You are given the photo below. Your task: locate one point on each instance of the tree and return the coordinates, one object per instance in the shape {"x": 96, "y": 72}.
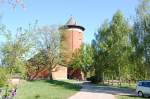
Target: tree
{"x": 65, "y": 56}
{"x": 48, "y": 42}
{"x": 82, "y": 59}
{"x": 36, "y": 65}
{"x": 121, "y": 47}
{"x": 141, "y": 40}
{"x": 14, "y": 50}
{"x": 3, "y": 77}
{"x": 99, "y": 51}
{"x": 111, "y": 47}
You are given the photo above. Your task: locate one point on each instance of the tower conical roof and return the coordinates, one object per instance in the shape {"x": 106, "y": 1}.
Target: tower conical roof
{"x": 71, "y": 21}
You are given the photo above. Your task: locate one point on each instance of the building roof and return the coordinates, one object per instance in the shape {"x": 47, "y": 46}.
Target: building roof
{"x": 71, "y": 23}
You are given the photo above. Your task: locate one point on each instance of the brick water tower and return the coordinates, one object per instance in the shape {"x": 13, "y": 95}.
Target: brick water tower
{"x": 73, "y": 42}
{"x": 74, "y": 35}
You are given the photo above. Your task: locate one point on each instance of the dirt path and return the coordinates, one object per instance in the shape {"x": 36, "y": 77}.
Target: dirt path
{"x": 90, "y": 91}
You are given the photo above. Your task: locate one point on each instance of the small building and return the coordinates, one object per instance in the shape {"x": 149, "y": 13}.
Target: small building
{"x": 59, "y": 73}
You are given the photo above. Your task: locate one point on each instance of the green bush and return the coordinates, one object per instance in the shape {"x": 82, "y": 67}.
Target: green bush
{"x": 92, "y": 79}
{"x": 3, "y": 77}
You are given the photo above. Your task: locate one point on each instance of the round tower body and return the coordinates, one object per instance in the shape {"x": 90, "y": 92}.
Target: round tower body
{"x": 72, "y": 42}
{"x": 74, "y": 35}
{"x": 74, "y": 39}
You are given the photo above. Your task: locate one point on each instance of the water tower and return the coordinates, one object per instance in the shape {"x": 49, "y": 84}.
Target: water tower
{"x": 74, "y": 35}
{"x": 73, "y": 42}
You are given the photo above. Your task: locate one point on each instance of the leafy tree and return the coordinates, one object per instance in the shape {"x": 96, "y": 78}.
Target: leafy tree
{"x": 14, "y": 50}
{"x": 48, "y": 41}
{"x": 99, "y": 53}
{"x": 3, "y": 77}
{"x": 141, "y": 40}
{"x": 65, "y": 56}
{"x": 82, "y": 59}
{"x": 111, "y": 48}
{"x": 121, "y": 47}
{"x": 36, "y": 64}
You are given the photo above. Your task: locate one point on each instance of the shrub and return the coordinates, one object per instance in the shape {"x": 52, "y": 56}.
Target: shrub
{"x": 3, "y": 77}
{"x": 92, "y": 79}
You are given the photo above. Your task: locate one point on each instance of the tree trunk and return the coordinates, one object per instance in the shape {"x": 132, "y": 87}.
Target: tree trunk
{"x": 103, "y": 79}
{"x": 99, "y": 76}
{"x": 84, "y": 75}
{"x": 112, "y": 80}
{"x": 50, "y": 75}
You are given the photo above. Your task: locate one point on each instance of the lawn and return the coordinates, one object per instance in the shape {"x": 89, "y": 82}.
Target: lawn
{"x": 126, "y": 86}
{"x": 44, "y": 89}
{"x": 123, "y": 85}
{"x": 130, "y": 97}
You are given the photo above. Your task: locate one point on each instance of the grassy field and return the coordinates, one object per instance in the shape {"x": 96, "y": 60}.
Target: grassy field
{"x": 123, "y": 85}
{"x": 132, "y": 87}
{"x": 43, "y": 89}
{"x": 127, "y": 86}
{"x": 130, "y": 97}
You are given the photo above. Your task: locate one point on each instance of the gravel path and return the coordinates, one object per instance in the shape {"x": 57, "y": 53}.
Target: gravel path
{"x": 90, "y": 91}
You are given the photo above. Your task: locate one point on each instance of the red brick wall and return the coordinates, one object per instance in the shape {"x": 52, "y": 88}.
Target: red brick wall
{"x": 58, "y": 73}
{"x": 74, "y": 39}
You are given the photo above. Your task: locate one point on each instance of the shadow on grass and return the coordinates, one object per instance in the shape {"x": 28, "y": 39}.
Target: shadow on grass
{"x": 64, "y": 84}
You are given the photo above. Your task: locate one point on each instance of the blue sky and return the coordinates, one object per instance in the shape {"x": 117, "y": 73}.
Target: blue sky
{"x": 88, "y": 13}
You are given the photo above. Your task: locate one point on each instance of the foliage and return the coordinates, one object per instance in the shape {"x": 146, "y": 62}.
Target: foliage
{"x": 93, "y": 79}
{"x": 48, "y": 47}
{"x": 120, "y": 51}
{"x": 65, "y": 55}
{"x": 82, "y": 59}
{"x": 36, "y": 64}
{"x": 3, "y": 77}
{"x": 14, "y": 50}
{"x": 111, "y": 48}
{"x": 141, "y": 41}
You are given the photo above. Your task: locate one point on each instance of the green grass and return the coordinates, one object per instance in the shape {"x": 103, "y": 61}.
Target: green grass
{"x": 130, "y": 97}
{"x": 126, "y": 86}
{"x": 44, "y": 89}
{"x": 123, "y": 85}
{"x": 131, "y": 87}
